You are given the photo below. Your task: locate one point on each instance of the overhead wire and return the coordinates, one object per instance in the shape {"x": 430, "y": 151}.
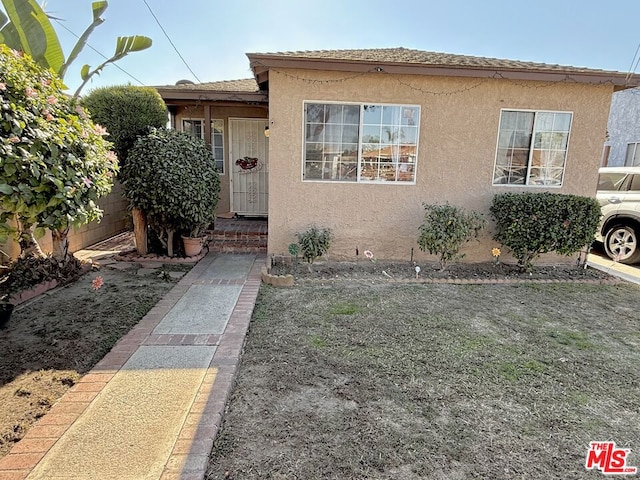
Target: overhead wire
{"x": 170, "y": 41}
{"x": 634, "y": 66}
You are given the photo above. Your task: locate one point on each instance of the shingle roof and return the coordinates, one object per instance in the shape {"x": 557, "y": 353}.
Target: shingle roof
{"x": 402, "y": 55}
{"x": 243, "y": 85}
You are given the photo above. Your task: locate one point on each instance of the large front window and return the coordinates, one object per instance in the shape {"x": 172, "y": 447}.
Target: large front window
{"x": 360, "y": 142}
{"x": 532, "y": 148}
{"x": 195, "y": 128}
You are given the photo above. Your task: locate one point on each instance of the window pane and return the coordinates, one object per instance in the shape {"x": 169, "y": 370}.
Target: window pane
{"x": 409, "y": 135}
{"x": 391, "y": 115}
{"x": 562, "y": 122}
{"x": 372, "y": 114}
{"x": 351, "y": 114}
{"x": 371, "y": 134}
{"x": 410, "y": 115}
{"x": 315, "y": 132}
{"x": 333, "y": 114}
{"x": 315, "y": 113}
{"x": 350, "y": 134}
{"x": 525, "y": 121}
{"x": 544, "y": 122}
{"x": 313, "y": 170}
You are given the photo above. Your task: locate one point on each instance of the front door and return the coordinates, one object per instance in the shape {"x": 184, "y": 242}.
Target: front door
{"x": 249, "y": 166}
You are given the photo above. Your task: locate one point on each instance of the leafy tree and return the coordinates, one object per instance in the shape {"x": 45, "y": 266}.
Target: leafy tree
{"x": 54, "y": 161}
{"x": 127, "y": 112}
{"x": 171, "y": 177}
{"x": 26, "y": 27}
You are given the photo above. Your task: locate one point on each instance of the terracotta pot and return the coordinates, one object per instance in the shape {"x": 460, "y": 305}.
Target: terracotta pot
{"x": 193, "y": 246}
{"x": 6, "y": 309}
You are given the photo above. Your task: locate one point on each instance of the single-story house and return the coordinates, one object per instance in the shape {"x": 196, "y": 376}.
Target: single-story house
{"x": 358, "y": 140}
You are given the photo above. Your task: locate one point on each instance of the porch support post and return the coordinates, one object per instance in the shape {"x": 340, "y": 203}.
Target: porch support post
{"x": 207, "y": 124}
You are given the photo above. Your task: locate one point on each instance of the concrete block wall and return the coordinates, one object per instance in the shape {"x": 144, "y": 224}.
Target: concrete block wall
{"x": 115, "y": 219}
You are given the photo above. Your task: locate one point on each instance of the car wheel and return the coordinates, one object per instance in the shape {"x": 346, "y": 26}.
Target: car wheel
{"x": 621, "y": 244}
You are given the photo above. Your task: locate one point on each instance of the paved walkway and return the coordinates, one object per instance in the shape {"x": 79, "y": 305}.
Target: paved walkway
{"x": 150, "y": 409}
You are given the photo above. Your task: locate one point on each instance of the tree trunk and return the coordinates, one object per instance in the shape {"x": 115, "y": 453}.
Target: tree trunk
{"x": 170, "y": 243}
{"x": 140, "y": 230}
{"x": 29, "y": 246}
{"x": 60, "y": 244}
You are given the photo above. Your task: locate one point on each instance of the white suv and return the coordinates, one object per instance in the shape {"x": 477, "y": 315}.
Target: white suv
{"x": 619, "y": 197}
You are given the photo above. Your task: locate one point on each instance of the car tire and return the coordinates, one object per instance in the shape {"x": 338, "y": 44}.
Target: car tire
{"x": 622, "y": 244}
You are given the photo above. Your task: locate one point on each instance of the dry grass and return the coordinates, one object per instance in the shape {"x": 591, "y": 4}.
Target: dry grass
{"x": 347, "y": 381}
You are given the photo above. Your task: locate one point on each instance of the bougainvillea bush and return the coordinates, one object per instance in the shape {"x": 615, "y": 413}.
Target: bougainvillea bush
{"x": 54, "y": 161}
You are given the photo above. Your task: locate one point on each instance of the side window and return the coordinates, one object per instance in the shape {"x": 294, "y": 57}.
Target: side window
{"x": 611, "y": 181}
{"x": 635, "y": 183}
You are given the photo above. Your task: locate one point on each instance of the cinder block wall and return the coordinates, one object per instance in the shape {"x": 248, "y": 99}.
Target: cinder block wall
{"x": 115, "y": 219}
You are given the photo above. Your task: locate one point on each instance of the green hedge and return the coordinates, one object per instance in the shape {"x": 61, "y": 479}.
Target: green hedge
{"x": 127, "y": 112}
{"x": 531, "y": 224}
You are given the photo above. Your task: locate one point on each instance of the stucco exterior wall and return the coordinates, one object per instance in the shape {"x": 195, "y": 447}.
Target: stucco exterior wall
{"x": 624, "y": 124}
{"x": 224, "y": 113}
{"x": 457, "y": 146}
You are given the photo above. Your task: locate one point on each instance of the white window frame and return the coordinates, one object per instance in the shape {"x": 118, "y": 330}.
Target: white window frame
{"x": 220, "y": 162}
{"x": 635, "y": 156}
{"x": 359, "y": 178}
{"x": 530, "y": 166}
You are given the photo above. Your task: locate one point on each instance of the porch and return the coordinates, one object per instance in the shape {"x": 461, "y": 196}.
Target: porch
{"x": 239, "y": 234}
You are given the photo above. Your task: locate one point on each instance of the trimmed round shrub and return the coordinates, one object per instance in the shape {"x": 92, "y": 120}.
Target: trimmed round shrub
{"x": 127, "y": 112}
{"x": 531, "y": 224}
{"x": 172, "y": 178}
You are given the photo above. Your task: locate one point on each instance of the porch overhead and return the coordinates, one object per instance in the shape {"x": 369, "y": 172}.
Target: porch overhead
{"x": 223, "y": 93}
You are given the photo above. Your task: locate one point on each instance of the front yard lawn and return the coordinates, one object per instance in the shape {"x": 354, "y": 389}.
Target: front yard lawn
{"x": 385, "y": 381}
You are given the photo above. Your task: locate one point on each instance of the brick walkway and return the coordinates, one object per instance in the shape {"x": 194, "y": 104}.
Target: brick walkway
{"x": 86, "y": 413}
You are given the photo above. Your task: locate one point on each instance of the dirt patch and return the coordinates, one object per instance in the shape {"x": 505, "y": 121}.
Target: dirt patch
{"x": 407, "y": 271}
{"x": 352, "y": 380}
{"x": 54, "y": 339}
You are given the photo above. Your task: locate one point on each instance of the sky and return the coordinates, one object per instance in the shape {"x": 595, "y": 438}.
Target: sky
{"x": 213, "y": 36}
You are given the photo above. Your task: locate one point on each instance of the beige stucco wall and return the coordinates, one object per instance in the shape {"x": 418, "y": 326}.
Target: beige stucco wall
{"x": 224, "y": 113}
{"x": 458, "y": 134}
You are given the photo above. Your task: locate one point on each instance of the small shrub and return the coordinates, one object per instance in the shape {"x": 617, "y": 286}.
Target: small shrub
{"x": 531, "y": 224}
{"x": 446, "y": 228}
{"x": 314, "y": 242}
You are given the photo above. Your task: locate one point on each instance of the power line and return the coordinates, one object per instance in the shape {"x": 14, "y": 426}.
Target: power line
{"x": 97, "y": 51}
{"x": 172, "y": 44}
{"x": 634, "y": 64}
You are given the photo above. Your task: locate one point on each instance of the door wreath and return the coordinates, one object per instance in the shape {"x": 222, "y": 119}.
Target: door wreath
{"x": 247, "y": 163}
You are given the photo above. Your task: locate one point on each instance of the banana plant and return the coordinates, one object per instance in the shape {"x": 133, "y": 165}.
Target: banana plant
{"x": 26, "y": 27}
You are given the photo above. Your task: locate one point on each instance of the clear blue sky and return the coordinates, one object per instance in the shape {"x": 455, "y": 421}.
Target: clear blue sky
{"x": 213, "y": 35}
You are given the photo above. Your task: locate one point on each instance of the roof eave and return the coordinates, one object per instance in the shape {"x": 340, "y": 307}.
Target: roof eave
{"x": 261, "y": 64}
{"x": 212, "y": 95}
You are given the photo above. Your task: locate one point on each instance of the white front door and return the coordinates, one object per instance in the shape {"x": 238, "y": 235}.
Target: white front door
{"x": 249, "y": 166}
